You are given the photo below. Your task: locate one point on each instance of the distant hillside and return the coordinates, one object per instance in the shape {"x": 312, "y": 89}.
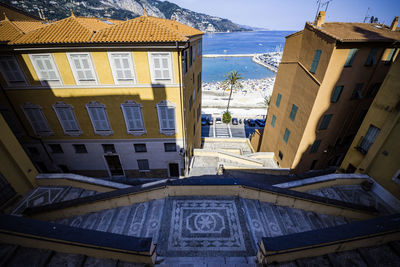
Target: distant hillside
{"x": 122, "y": 9}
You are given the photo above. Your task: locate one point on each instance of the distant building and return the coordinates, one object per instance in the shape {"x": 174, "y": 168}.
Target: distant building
{"x": 103, "y": 97}
{"x": 376, "y": 148}
{"x": 326, "y": 82}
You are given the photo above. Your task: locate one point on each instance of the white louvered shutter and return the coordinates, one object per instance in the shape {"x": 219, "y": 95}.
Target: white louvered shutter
{"x": 36, "y": 117}
{"x": 133, "y": 117}
{"x": 45, "y": 68}
{"x": 161, "y": 65}
{"x": 164, "y": 119}
{"x": 11, "y": 69}
{"x": 99, "y": 118}
{"x": 171, "y": 118}
{"x": 67, "y": 118}
{"x": 122, "y": 67}
{"x": 83, "y": 67}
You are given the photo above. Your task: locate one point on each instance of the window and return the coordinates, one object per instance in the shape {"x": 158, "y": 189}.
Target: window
{"x": 199, "y": 82}
{"x": 133, "y": 118}
{"x": 198, "y": 112}
{"x": 280, "y": 155}
{"x": 350, "y": 57}
{"x": 286, "y": 135}
{"x": 80, "y": 149}
{"x": 194, "y": 52}
{"x": 199, "y": 48}
{"x": 185, "y": 61}
{"x": 98, "y": 116}
{"x": 293, "y": 112}
{"x": 56, "y": 148}
{"x": 371, "y": 60}
{"x": 336, "y": 94}
{"x": 11, "y": 71}
{"x": 161, "y": 67}
{"x": 37, "y": 120}
{"x": 194, "y": 94}
{"x": 325, "y": 122}
{"x": 169, "y": 147}
{"x": 278, "y": 100}
{"x": 46, "y": 69}
{"x": 122, "y": 67}
{"x": 190, "y": 56}
{"x": 315, "y": 61}
{"x": 190, "y": 102}
{"x": 357, "y": 94}
{"x": 139, "y": 148}
{"x": 373, "y": 89}
{"x": 143, "y": 165}
{"x": 390, "y": 56}
{"x": 109, "y": 148}
{"x": 273, "y": 121}
{"x": 33, "y": 151}
{"x": 82, "y": 68}
{"x": 166, "y": 117}
{"x": 66, "y": 116}
{"x": 368, "y": 140}
{"x": 315, "y": 146}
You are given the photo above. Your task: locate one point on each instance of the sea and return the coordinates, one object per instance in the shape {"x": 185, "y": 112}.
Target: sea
{"x": 215, "y": 69}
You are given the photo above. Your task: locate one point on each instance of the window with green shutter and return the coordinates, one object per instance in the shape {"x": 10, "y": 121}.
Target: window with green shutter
{"x": 371, "y": 60}
{"x": 336, "y": 93}
{"x": 357, "y": 94}
{"x": 293, "y": 112}
{"x": 315, "y": 61}
{"x": 278, "y": 100}
{"x": 286, "y": 135}
{"x": 325, "y": 122}
{"x": 350, "y": 57}
{"x": 273, "y": 121}
{"x": 315, "y": 146}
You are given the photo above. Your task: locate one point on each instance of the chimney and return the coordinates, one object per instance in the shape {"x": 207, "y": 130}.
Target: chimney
{"x": 320, "y": 19}
{"x": 393, "y": 27}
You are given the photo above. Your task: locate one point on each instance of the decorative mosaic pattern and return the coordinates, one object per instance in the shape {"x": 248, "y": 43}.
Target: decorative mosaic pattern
{"x": 205, "y": 225}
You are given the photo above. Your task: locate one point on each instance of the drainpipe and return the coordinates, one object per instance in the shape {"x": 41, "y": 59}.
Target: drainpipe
{"x": 186, "y": 161}
{"x": 23, "y": 125}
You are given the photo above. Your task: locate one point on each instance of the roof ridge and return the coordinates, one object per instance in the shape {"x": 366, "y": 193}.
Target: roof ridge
{"x": 82, "y": 24}
{"x": 173, "y": 31}
{"x": 15, "y": 26}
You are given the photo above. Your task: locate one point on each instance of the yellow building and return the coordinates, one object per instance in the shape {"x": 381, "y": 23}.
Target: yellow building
{"x": 102, "y": 97}
{"x": 328, "y": 77}
{"x": 376, "y": 149}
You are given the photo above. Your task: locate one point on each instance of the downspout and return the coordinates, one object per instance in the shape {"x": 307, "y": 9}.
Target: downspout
{"x": 23, "y": 125}
{"x": 186, "y": 162}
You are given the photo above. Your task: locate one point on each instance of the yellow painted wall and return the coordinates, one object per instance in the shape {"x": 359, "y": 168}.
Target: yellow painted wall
{"x": 15, "y": 165}
{"x": 382, "y": 160}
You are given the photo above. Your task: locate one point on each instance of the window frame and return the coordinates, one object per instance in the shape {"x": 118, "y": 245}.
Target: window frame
{"x": 19, "y": 69}
{"x": 315, "y": 146}
{"x": 337, "y": 91}
{"x": 357, "y": 91}
{"x": 57, "y": 105}
{"x": 131, "y": 63}
{"x": 113, "y": 150}
{"x": 278, "y": 100}
{"x": 43, "y": 81}
{"x": 315, "y": 61}
{"x": 330, "y": 116}
{"x": 56, "y": 151}
{"x": 169, "y": 150}
{"x": 372, "y": 57}
{"x": 273, "y": 121}
{"x": 43, "y": 133}
{"x": 135, "y": 146}
{"x": 152, "y": 70}
{"x": 95, "y": 104}
{"x": 169, "y": 104}
{"x": 148, "y": 165}
{"x": 286, "y": 135}
{"x": 369, "y": 139}
{"x": 131, "y": 103}
{"x": 80, "y": 152}
{"x": 350, "y": 57}
{"x": 74, "y": 70}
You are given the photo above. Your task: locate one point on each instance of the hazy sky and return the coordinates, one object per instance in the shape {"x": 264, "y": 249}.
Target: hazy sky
{"x": 292, "y": 14}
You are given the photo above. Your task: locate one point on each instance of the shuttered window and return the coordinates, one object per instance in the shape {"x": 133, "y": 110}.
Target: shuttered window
{"x": 45, "y": 68}
{"x": 350, "y": 57}
{"x": 325, "y": 121}
{"x": 315, "y": 61}
{"x": 199, "y": 48}
{"x": 293, "y": 112}
{"x": 371, "y": 60}
{"x": 336, "y": 94}
{"x": 194, "y": 52}
{"x": 143, "y": 164}
{"x": 369, "y": 139}
{"x": 82, "y": 68}
{"x": 278, "y": 100}
{"x": 122, "y": 67}
{"x": 161, "y": 67}
{"x": 66, "y": 116}
{"x": 10, "y": 70}
{"x": 390, "y": 56}
{"x": 37, "y": 120}
{"x": 133, "y": 117}
{"x": 357, "y": 93}
{"x": 98, "y": 116}
{"x": 166, "y": 117}
{"x": 273, "y": 121}
{"x": 286, "y": 135}
{"x": 315, "y": 146}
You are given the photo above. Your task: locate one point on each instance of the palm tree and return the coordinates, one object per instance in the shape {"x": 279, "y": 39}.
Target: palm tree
{"x": 232, "y": 80}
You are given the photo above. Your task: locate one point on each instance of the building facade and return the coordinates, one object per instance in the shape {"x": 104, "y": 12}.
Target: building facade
{"x": 105, "y": 98}
{"x": 328, "y": 77}
{"x": 376, "y": 149}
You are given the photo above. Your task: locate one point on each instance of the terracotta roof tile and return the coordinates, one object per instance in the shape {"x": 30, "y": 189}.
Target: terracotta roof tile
{"x": 358, "y": 32}
{"x": 27, "y": 26}
{"x": 8, "y": 31}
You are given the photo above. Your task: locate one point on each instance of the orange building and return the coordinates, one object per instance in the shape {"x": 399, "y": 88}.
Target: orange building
{"x": 329, "y": 75}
